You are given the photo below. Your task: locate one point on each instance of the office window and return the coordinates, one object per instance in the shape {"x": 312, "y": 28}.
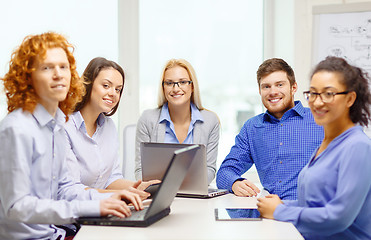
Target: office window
{"x": 223, "y": 40}
{"x": 88, "y": 24}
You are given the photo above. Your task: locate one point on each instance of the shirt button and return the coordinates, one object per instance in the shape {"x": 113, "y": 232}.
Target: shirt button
{"x": 281, "y": 124}
{"x": 280, "y": 161}
{"x": 281, "y": 143}
{"x": 100, "y": 176}
{"x": 53, "y": 177}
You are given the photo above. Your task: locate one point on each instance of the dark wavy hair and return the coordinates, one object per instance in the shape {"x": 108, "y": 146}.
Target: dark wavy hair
{"x": 91, "y": 72}
{"x": 18, "y": 83}
{"x": 274, "y": 65}
{"x": 355, "y": 80}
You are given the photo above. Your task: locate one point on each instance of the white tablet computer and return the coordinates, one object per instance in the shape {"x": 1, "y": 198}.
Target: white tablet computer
{"x": 237, "y": 214}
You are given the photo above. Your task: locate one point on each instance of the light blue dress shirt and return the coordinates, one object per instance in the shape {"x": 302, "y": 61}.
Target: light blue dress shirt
{"x": 278, "y": 148}
{"x": 334, "y": 191}
{"x": 35, "y": 188}
{"x": 170, "y": 135}
{"x": 93, "y": 161}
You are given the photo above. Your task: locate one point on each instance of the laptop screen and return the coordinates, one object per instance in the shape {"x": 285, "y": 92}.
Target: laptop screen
{"x": 155, "y": 158}
{"x": 174, "y": 174}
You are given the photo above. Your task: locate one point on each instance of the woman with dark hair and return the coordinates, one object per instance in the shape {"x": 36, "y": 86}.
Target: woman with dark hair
{"x": 334, "y": 188}
{"x": 93, "y": 157}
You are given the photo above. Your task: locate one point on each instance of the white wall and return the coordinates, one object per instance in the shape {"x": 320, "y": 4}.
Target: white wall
{"x": 279, "y": 30}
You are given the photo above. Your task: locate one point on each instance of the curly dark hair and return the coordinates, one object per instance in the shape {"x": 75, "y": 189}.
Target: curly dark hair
{"x": 355, "y": 79}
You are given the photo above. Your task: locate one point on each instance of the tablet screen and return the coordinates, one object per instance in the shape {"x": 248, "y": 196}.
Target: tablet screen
{"x": 237, "y": 214}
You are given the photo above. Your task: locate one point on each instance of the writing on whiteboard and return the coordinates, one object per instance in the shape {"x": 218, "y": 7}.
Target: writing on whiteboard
{"x": 346, "y": 35}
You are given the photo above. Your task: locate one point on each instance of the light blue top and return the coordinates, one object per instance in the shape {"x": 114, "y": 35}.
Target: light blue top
{"x": 170, "y": 136}
{"x": 334, "y": 191}
{"x": 35, "y": 189}
{"x": 93, "y": 161}
{"x": 278, "y": 148}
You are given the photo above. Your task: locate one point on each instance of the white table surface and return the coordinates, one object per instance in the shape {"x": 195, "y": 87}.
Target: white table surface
{"x": 194, "y": 219}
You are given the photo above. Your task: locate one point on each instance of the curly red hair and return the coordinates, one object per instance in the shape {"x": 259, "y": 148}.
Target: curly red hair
{"x": 18, "y": 83}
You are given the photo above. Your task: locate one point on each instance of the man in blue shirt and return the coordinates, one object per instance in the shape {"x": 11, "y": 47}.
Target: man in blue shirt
{"x": 279, "y": 142}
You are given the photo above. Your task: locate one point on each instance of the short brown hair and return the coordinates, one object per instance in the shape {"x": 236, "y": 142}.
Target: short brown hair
{"x": 274, "y": 65}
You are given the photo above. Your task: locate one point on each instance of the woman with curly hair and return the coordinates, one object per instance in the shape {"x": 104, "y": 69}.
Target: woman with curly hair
{"x": 42, "y": 88}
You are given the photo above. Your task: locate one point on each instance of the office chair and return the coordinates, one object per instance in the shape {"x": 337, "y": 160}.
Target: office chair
{"x": 128, "y": 164}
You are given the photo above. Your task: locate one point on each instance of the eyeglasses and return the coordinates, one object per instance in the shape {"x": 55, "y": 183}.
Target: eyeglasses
{"x": 326, "y": 97}
{"x": 180, "y": 84}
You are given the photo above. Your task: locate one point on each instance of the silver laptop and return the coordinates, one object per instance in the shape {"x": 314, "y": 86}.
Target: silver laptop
{"x": 155, "y": 157}
{"x": 179, "y": 163}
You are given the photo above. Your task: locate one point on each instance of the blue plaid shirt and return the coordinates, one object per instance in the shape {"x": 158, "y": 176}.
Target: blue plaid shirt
{"x": 279, "y": 149}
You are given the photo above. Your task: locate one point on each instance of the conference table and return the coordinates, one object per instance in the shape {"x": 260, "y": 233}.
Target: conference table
{"x": 195, "y": 219}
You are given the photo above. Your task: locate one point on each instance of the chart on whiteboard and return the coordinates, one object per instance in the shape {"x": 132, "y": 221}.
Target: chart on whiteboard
{"x": 346, "y": 35}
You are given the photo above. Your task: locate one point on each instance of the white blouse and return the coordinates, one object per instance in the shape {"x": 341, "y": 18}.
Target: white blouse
{"x": 93, "y": 161}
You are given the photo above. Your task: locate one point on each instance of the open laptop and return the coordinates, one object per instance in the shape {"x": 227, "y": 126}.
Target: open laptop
{"x": 179, "y": 163}
{"x": 155, "y": 158}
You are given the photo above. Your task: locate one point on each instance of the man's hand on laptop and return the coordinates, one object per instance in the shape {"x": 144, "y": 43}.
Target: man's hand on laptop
{"x": 115, "y": 207}
{"x": 117, "y": 204}
{"x": 245, "y": 188}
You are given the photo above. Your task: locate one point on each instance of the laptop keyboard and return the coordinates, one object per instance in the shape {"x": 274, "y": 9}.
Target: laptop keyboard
{"x": 135, "y": 215}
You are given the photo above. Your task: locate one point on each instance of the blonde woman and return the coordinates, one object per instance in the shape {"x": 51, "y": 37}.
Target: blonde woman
{"x": 180, "y": 116}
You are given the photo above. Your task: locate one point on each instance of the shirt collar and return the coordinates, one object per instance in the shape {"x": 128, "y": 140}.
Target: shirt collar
{"x": 165, "y": 115}
{"x": 44, "y": 118}
{"x": 77, "y": 118}
{"x": 101, "y": 119}
{"x": 80, "y": 122}
{"x": 195, "y": 114}
{"x": 297, "y": 110}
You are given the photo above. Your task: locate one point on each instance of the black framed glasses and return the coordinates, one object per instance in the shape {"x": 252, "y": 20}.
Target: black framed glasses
{"x": 326, "y": 97}
{"x": 180, "y": 84}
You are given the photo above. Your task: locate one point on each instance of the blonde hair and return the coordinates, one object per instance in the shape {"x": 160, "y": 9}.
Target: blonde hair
{"x": 195, "y": 97}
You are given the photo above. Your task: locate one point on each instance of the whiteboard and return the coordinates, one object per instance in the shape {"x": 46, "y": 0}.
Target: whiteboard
{"x": 343, "y": 31}
{"x": 346, "y": 35}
